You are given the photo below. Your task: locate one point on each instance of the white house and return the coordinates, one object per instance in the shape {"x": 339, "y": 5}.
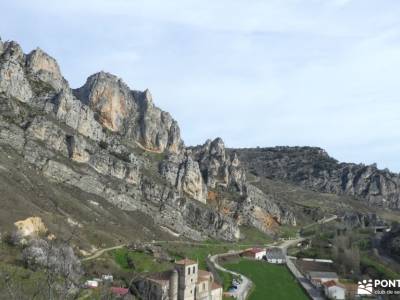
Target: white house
{"x": 256, "y": 253}
{"x": 91, "y": 284}
{"x": 107, "y": 277}
{"x": 334, "y": 291}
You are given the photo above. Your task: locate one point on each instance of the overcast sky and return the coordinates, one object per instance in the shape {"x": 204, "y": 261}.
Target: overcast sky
{"x": 256, "y": 73}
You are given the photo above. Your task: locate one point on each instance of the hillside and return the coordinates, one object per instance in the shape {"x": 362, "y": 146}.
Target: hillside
{"x": 312, "y": 168}
{"x": 106, "y": 143}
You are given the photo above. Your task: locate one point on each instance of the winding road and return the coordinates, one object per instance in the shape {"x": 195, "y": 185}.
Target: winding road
{"x": 244, "y": 288}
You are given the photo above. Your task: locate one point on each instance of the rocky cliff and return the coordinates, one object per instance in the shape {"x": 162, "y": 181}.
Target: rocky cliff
{"x": 113, "y": 142}
{"x": 102, "y": 138}
{"x": 314, "y": 169}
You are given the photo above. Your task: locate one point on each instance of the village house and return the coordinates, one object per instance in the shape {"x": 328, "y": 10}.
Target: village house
{"x": 255, "y": 253}
{"x": 92, "y": 284}
{"x": 275, "y": 256}
{"x": 184, "y": 282}
{"x": 121, "y": 293}
{"x": 318, "y": 278}
{"x": 333, "y": 290}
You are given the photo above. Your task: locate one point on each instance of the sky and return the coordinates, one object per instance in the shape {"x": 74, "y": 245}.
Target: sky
{"x": 256, "y": 73}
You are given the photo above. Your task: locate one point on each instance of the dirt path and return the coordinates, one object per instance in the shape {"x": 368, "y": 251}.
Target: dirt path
{"x": 101, "y": 252}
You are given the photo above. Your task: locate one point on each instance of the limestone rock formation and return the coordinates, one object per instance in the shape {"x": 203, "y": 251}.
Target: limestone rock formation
{"x": 107, "y": 96}
{"x": 13, "y": 82}
{"x": 313, "y": 168}
{"x": 218, "y": 167}
{"x": 223, "y": 170}
{"x": 45, "y": 68}
{"x": 30, "y": 227}
{"x": 130, "y": 113}
{"x": 184, "y": 173}
{"x": 104, "y": 140}
{"x": 354, "y": 220}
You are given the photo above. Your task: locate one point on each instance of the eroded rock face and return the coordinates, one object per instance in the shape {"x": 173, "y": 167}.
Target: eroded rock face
{"x": 45, "y": 68}
{"x": 130, "y": 113}
{"x": 218, "y": 167}
{"x": 157, "y": 130}
{"x": 109, "y": 97}
{"x": 364, "y": 220}
{"x": 13, "y": 82}
{"x": 184, "y": 173}
{"x": 223, "y": 170}
{"x": 313, "y": 168}
{"x": 91, "y": 143}
{"x": 31, "y": 227}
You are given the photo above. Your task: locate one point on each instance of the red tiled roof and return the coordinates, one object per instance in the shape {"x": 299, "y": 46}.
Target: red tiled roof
{"x": 255, "y": 250}
{"x": 215, "y": 286}
{"x": 329, "y": 283}
{"x": 204, "y": 273}
{"x": 119, "y": 291}
{"x": 203, "y": 276}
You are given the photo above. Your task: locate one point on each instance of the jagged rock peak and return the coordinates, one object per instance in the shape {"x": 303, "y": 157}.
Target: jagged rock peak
{"x": 218, "y": 167}
{"x": 13, "y": 82}
{"x": 12, "y": 51}
{"x": 45, "y": 68}
{"x": 130, "y": 113}
{"x": 107, "y": 95}
{"x": 104, "y": 100}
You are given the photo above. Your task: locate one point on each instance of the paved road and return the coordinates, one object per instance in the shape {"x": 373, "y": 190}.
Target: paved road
{"x": 313, "y": 292}
{"x": 244, "y": 288}
{"x": 101, "y": 252}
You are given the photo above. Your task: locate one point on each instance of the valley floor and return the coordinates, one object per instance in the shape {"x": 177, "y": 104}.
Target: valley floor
{"x": 271, "y": 281}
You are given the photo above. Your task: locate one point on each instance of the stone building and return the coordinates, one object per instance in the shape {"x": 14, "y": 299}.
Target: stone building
{"x": 184, "y": 282}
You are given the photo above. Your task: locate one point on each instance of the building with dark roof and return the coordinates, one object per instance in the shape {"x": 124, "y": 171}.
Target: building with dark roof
{"x": 275, "y": 255}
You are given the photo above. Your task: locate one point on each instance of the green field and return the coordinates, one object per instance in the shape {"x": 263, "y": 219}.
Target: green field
{"x": 272, "y": 282}
{"x": 138, "y": 261}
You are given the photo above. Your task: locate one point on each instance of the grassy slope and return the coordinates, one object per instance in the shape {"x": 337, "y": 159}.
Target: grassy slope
{"x": 24, "y": 193}
{"x": 273, "y": 282}
{"x": 142, "y": 262}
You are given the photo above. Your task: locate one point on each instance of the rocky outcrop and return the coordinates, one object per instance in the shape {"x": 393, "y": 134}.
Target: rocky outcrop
{"x": 105, "y": 140}
{"x": 218, "y": 167}
{"x": 109, "y": 97}
{"x": 43, "y": 68}
{"x": 157, "y": 130}
{"x": 184, "y": 174}
{"x": 223, "y": 171}
{"x": 130, "y": 113}
{"x": 313, "y": 168}
{"x": 259, "y": 202}
{"x": 13, "y": 82}
{"x": 363, "y": 220}
{"x": 30, "y": 227}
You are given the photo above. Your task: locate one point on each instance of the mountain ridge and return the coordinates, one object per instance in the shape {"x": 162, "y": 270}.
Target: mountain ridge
{"x": 113, "y": 142}
{"x": 313, "y": 168}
